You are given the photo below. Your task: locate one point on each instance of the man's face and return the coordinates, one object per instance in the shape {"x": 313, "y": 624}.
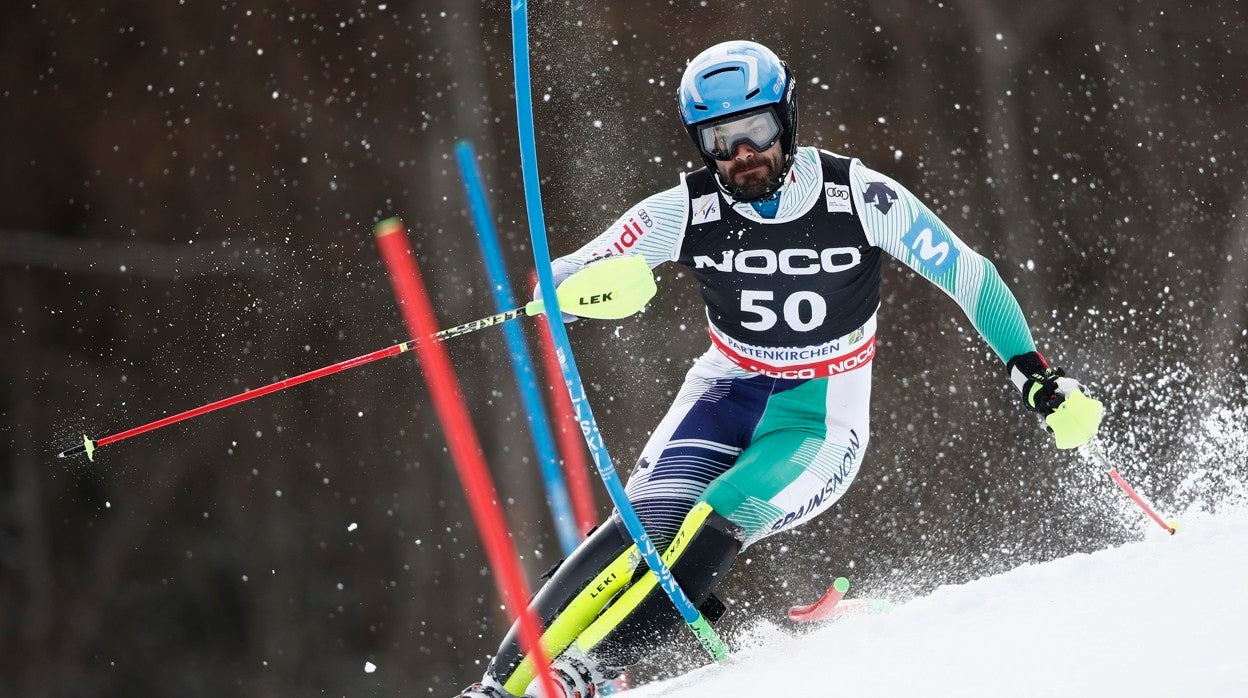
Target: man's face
{"x": 750, "y": 171}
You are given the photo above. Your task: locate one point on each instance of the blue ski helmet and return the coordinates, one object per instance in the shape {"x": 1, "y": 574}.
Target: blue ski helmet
{"x": 728, "y": 80}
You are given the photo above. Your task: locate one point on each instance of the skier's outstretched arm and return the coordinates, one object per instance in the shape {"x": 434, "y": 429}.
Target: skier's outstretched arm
{"x": 652, "y": 228}
{"x": 900, "y": 224}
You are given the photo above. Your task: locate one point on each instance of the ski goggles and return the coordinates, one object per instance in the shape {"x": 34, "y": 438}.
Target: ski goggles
{"x": 719, "y": 139}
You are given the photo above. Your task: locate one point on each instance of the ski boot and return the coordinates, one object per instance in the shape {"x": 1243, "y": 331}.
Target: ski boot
{"x": 486, "y": 688}
{"x": 576, "y": 675}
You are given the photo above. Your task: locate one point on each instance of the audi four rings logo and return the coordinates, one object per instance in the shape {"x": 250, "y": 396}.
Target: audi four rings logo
{"x": 838, "y": 199}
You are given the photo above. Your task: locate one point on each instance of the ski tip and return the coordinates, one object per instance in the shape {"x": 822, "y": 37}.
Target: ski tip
{"x": 824, "y": 607}
{"x": 879, "y": 606}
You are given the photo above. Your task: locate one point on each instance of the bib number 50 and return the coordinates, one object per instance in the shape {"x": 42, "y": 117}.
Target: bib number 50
{"x": 803, "y": 310}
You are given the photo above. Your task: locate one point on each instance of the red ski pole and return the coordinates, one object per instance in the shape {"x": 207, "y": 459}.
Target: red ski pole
{"x": 89, "y": 445}
{"x": 1093, "y": 451}
{"x": 606, "y": 290}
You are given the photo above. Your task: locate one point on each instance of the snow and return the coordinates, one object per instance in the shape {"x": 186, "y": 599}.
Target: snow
{"x": 1165, "y": 616}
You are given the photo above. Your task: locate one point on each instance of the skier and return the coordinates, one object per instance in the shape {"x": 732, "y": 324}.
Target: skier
{"x": 771, "y": 424}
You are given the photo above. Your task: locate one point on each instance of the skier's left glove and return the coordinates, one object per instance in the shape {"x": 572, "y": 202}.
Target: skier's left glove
{"x": 1070, "y": 415}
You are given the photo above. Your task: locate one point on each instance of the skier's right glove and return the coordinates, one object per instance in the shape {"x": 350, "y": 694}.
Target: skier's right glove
{"x": 1071, "y": 416}
{"x": 560, "y": 272}
{"x": 606, "y": 288}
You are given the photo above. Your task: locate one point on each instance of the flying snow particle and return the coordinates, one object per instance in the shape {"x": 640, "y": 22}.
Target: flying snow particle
{"x": 369, "y": 667}
{"x": 352, "y": 527}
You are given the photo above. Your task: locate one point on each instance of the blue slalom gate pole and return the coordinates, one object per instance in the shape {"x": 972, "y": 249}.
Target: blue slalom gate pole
{"x": 541, "y": 257}
{"x": 521, "y": 362}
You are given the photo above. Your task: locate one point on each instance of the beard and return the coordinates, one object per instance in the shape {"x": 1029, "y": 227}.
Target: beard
{"x": 753, "y": 179}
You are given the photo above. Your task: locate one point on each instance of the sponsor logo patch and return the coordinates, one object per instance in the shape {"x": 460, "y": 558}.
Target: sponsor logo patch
{"x": 880, "y": 195}
{"x": 635, "y": 226}
{"x": 821, "y": 368}
{"x": 794, "y": 262}
{"x": 832, "y": 489}
{"x": 928, "y": 240}
{"x": 838, "y": 198}
{"x": 705, "y": 209}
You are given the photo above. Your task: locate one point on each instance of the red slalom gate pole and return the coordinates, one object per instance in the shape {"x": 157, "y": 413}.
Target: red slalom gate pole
{"x": 567, "y": 431}
{"x": 466, "y": 451}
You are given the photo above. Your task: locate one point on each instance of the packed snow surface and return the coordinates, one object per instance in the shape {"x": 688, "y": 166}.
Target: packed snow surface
{"x": 1167, "y": 616}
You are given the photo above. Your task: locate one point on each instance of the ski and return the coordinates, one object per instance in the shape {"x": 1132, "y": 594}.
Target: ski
{"x": 833, "y": 605}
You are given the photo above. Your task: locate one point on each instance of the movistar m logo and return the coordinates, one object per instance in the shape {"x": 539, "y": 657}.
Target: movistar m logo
{"x": 931, "y": 243}
{"x": 928, "y": 252}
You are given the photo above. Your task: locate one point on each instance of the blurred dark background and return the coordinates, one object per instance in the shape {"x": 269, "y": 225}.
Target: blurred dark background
{"x": 187, "y": 194}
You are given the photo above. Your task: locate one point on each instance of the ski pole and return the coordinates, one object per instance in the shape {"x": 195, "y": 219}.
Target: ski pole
{"x": 1092, "y": 450}
{"x": 89, "y": 445}
{"x": 607, "y": 290}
